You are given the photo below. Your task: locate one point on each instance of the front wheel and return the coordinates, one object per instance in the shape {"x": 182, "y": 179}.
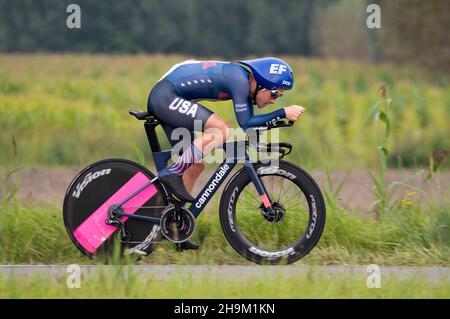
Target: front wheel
{"x": 291, "y": 232}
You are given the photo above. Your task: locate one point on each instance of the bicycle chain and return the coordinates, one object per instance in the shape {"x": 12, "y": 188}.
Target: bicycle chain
{"x": 153, "y": 242}
{"x": 154, "y": 207}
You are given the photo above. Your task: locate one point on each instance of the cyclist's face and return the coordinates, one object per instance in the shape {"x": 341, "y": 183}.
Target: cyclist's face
{"x": 266, "y": 97}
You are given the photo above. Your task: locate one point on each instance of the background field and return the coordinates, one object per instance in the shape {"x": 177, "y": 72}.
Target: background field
{"x": 72, "y": 109}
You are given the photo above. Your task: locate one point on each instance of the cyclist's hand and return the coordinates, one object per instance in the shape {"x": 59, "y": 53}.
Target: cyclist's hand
{"x": 293, "y": 112}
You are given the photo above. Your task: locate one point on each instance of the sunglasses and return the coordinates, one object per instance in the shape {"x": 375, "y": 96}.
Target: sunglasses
{"x": 275, "y": 94}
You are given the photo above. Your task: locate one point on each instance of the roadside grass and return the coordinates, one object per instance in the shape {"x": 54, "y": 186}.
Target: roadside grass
{"x": 409, "y": 235}
{"x": 125, "y": 283}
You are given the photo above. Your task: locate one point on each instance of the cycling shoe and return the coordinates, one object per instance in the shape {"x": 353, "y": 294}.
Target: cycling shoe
{"x": 175, "y": 183}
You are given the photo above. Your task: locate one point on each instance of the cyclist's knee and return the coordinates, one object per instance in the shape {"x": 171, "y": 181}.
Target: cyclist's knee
{"x": 218, "y": 134}
{"x": 225, "y": 129}
{"x": 209, "y": 137}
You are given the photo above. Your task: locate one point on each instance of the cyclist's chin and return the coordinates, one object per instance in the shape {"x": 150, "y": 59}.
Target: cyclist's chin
{"x": 261, "y": 105}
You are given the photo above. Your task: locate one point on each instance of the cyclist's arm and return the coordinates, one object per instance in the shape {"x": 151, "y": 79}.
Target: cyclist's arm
{"x": 243, "y": 107}
{"x": 247, "y": 119}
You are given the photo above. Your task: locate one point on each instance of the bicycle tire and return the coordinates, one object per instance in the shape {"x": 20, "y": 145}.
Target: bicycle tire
{"x": 241, "y": 241}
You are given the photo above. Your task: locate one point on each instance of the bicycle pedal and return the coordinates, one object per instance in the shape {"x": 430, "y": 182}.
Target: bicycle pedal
{"x": 187, "y": 245}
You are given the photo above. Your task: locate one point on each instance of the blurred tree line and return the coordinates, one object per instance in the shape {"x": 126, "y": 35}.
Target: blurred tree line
{"x": 412, "y": 31}
{"x": 227, "y": 28}
{"x": 417, "y": 31}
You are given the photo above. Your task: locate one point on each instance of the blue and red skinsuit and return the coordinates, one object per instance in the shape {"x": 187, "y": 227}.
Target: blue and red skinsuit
{"x": 174, "y": 98}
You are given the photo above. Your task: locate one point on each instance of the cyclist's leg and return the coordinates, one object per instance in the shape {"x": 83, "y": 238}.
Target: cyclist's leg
{"x": 216, "y": 133}
{"x": 191, "y": 175}
{"x": 174, "y": 111}
{"x": 176, "y": 135}
{"x": 182, "y": 140}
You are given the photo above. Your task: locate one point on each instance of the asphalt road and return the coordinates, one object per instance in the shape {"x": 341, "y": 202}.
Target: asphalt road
{"x": 433, "y": 274}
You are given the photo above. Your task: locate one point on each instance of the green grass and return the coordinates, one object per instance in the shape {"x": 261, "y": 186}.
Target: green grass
{"x": 310, "y": 284}
{"x": 72, "y": 109}
{"x": 410, "y": 235}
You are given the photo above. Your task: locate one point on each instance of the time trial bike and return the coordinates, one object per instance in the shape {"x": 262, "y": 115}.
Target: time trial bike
{"x": 269, "y": 213}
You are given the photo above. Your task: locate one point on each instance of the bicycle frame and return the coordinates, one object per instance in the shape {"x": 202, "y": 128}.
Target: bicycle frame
{"x": 160, "y": 159}
{"x": 221, "y": 174}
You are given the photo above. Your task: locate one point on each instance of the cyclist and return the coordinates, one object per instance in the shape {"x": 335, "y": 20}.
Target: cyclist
{"x": 173, "y": 101}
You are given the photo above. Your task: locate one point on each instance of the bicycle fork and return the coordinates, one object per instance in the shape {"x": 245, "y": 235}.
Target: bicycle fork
{"x": 262, "y": 192}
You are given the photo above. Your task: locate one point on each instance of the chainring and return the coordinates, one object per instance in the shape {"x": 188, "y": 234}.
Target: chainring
{"x": 177, "y": 224}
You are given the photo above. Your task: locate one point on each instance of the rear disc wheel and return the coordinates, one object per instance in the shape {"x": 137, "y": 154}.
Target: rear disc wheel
{"x": 95, "y": 191}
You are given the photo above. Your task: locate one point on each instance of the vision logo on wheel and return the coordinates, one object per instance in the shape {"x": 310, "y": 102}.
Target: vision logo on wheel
{"x": 275, "y": 170}
{"x": 314, "y": 217}
{"x": 89, "y": 178}
{"x": 230, "y": 209}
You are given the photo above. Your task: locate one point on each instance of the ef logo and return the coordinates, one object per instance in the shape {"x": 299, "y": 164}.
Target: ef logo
{"x": 277, "y": 68}
{"x": 74, "y": 279}
{"x": 374, "y": 279}
{"x": 73, "y": 21}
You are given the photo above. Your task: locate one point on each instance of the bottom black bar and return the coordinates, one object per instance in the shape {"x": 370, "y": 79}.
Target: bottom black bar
{"x": 230, "y": 308}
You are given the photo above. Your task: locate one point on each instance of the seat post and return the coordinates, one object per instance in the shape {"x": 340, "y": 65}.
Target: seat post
{"x": 150, "y": 126}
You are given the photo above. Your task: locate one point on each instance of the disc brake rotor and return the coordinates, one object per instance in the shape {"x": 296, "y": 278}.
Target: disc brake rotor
{"x": 277, "y": 216}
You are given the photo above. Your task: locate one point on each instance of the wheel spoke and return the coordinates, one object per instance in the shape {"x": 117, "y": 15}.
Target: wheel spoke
{"x": 281, "y": 188}
{"x": 250, "y": 204}
{"x": 287, "y": 190}
{"x": 293, "y": 208}
{"x": 246, "y": 209}
{"x": 300, "y": 202}
{"x": 251, "y": 195}
{"x": 272, "y": 185}
{"x": 292, "y": 197}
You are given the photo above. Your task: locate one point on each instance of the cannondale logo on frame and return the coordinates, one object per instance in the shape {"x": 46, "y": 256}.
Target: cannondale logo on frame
{"x": 212, "y": 186}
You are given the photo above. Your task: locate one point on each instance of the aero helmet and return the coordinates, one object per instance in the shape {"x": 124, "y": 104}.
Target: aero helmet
{"x": 271, "y": 73}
